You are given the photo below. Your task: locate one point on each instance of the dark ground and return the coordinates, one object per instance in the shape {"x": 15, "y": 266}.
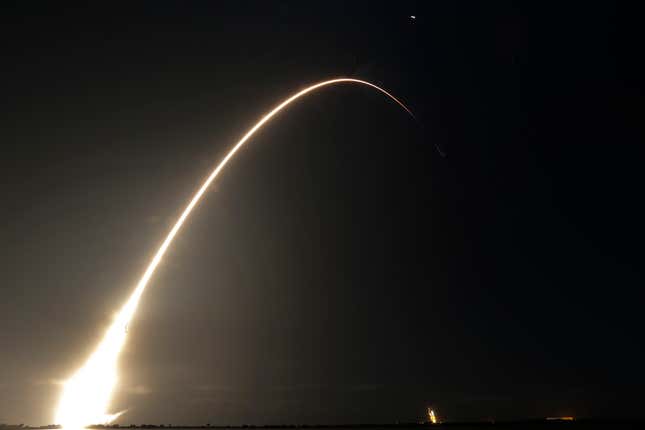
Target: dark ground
{"x": 581, "y": 424}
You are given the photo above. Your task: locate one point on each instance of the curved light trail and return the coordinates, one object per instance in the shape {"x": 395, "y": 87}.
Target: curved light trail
{"x": 86, "y": 395}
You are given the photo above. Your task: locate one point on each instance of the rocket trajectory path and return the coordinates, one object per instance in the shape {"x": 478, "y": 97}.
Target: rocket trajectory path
{"x": 86, "y": 395}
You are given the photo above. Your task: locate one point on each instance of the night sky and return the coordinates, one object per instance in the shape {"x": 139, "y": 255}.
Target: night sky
{"x": 341, "y": 270}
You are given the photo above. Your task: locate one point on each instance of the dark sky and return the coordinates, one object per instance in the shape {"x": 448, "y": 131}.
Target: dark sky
{"x": 341, "y": 270}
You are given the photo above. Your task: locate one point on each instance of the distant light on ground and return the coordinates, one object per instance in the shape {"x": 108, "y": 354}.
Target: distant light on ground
{"x": 432, "y": 417}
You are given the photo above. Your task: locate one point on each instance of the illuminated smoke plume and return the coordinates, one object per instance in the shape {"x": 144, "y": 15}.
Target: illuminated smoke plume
{"x": 85, "y": 398}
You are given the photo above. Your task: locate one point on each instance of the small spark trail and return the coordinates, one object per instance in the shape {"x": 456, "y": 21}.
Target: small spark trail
{"x": 85, "y": 397}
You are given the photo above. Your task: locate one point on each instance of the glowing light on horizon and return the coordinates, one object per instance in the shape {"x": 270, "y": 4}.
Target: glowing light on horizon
{"x": 432, "y": 417}
{"x": 569, "y": 418}
{"x": 85, "y": 397}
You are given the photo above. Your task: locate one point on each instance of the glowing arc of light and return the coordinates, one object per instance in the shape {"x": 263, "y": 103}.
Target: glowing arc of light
{"x": 166, "y": 243}
{"x": 86, "y": 395}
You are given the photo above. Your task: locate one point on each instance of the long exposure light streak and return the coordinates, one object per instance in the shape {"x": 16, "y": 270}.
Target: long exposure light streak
{"x": 85, "y": 397}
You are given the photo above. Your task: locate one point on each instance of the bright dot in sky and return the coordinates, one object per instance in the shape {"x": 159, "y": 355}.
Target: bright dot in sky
{"x": 413, "y": 16}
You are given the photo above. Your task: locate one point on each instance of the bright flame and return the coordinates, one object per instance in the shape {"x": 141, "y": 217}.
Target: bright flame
{"x": 86, "y": 395}
{"x": 432, "y": 416}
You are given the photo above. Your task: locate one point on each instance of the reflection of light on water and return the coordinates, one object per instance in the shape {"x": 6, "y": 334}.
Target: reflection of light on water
{"x": 560, "y": 418}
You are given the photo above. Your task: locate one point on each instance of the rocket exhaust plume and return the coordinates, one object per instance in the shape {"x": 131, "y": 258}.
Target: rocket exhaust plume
{"x": 86, "y": 395}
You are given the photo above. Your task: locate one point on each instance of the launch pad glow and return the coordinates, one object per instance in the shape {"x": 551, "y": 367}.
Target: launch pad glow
{"x": 85, "y": 397}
